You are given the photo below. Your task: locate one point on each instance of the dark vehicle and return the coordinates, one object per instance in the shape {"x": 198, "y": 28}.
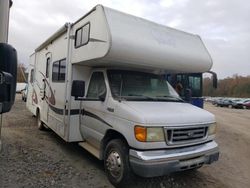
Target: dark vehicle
{"x": 246, "y": 105}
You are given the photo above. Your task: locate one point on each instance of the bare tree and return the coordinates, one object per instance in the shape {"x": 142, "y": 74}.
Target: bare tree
{"x": 21, "y": 76}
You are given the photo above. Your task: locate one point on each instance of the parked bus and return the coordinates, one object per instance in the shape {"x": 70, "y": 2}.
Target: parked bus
{"x": 192, "y": 86}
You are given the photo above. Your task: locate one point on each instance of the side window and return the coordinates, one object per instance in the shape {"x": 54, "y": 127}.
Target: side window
{"x": 62, "y": 70}
{"x": 32, "y": 76}
{"x": 47, "y": 67}
{"x": 78, "y": 37}
{"x": 82, "y": 36}
{"x": 55, "y": 71}
{"x": 195, "y": 84}
{"x": 59, "y": 70}
{"x": 97, "y": 86}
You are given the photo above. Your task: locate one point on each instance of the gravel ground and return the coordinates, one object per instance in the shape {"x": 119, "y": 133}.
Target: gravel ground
{"x": 33, "y": 158}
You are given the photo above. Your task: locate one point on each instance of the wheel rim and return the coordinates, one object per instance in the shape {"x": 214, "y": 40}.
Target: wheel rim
{"x": 114, "y": 164}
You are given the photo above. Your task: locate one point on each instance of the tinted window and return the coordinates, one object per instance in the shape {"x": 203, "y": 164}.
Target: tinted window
{"x": 59, "y": 70}
{"x": 195, "y": 85}
{"x": 82, "y": 36}
{"x": 133, "y": 85}
{"x": 32, "y": 76}
{"x": 85, "y": 34}
{"x": 78, "y": 37}
{"x": 97, "y": 86}
{"x": 55, "y": 71}
{"x": 62, "y": 70}
{"x": 47, "y": 67}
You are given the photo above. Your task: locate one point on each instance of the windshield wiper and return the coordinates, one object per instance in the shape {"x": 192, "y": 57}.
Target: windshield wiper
{"x": 138, "y": 96}
{"x": 170, "y": 98}
{"x": 156, "y": 98}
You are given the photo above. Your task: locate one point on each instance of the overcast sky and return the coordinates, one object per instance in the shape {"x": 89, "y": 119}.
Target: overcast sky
{"x": 224, "y": 25}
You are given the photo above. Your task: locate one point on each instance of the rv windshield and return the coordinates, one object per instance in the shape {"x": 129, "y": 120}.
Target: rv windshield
{"x": 140, "y": 86}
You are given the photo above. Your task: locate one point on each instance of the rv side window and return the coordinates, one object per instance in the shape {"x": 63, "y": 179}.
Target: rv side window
{"x": 55, "y": 71}
{"x": 78, "y": 37}
{"x": 47, "y": 67}
{"x": 82, "y": 36}
{"x": 32, "y": 76}
{"x": 97, "y": 86}
{"x": 59, "y": 70}
{"x": 62, "y": 70}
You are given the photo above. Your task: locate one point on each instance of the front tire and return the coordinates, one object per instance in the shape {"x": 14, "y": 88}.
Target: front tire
{"x": 116, "y": 163}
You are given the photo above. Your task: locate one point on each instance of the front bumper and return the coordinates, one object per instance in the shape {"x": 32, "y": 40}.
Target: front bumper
{"x": 161, "y": 162}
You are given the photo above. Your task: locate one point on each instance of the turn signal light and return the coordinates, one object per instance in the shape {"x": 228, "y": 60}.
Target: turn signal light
{"x": 140, "y": 133}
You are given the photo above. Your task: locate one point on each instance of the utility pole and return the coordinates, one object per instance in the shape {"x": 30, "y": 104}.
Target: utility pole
{"x": 4, "y": 27}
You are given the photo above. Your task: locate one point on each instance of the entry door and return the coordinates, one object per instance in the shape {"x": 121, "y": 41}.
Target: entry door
{"x": 93, "y": 119}
{"x": 46, "y": 88}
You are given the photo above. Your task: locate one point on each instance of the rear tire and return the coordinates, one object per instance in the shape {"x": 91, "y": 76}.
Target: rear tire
{"x": 39, "y": 122}
{"x": 116, "y": 163}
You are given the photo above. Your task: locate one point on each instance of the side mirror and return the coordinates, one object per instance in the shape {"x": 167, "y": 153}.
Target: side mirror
{"x": 8, "y": 71}
{"x": 78, "y": 89}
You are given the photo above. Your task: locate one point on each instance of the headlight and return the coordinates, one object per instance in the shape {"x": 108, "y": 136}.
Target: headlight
{"x": 212, "y": 129}
{"x": 149, "y": 134}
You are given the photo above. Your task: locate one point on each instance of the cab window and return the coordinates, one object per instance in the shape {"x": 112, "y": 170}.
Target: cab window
{"x": 97, "y": 86}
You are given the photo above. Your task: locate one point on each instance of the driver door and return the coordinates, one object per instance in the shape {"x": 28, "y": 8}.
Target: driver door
{"x": 93, "y": 123}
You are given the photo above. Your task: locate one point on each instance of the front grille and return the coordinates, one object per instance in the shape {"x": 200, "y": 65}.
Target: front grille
{"x": 184, "y": 135}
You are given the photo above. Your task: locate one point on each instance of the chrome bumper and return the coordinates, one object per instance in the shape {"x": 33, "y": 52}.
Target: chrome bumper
{"x": 162, "y": 162}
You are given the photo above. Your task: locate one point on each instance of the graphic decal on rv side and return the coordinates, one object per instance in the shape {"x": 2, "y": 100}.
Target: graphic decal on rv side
{"x": 34, "y": 97}
{"x": 86, "y": 113}
{"x": 49, "y": 99}
{"x": 60, "y": 111}
{"x": 51, "y": 102}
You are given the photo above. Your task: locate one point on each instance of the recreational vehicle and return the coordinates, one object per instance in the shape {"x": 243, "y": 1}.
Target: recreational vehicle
{"x": 100, "y": 82}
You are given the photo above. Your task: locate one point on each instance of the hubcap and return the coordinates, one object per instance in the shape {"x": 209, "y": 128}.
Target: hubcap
{"x": 114, "y": 164}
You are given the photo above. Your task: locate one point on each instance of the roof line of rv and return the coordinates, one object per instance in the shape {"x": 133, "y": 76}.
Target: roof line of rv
{"x": 62, "y": 30}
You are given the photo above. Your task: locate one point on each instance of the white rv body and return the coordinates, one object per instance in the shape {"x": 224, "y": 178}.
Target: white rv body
{"x": 111, "y": 40}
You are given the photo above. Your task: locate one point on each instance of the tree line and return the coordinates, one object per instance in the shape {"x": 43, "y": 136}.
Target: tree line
{"x": 235, "y": 86}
